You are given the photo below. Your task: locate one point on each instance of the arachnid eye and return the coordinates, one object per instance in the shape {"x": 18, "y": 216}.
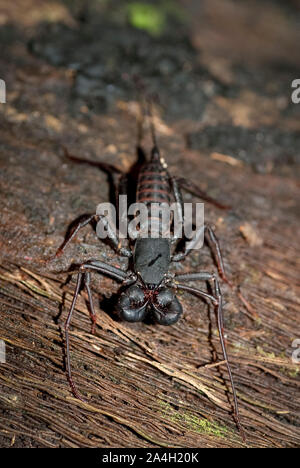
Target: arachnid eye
{"x": 132, "y": 304}
{"x": 167, "y": 308}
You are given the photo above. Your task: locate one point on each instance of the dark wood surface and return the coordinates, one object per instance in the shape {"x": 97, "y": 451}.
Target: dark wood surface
{"x": 148, "y": 385}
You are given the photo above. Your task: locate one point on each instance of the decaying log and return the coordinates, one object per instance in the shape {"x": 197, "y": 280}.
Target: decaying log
{"x": 145, "y": 385}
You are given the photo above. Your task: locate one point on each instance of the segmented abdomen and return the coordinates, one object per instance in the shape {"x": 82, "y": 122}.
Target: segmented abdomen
{"x": 153, "y": 187}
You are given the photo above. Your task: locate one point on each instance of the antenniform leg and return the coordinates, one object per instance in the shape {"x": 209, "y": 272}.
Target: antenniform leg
{"x": 179, "y": 202}
{"x": 112, "y": 236}
{"x": 195, "y": 190}
{"x": 217, "y": 301}
{"x": 71, "y": 236}
{"x": 214, "y": 245}
{"x": 87, "y": 281}
{"x": 85, "y": 269}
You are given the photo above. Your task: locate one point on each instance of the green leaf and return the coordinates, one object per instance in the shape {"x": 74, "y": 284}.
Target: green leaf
{"x": 148, "y": 17}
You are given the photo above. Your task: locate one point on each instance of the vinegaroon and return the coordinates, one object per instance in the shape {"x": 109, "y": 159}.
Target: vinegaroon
{"x": 147, "y": 287}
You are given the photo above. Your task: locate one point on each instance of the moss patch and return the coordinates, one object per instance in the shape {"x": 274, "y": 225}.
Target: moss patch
{"x": 192, "y": 422}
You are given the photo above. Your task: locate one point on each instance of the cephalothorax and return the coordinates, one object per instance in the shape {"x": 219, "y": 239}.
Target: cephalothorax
{"x": 148, "y": 287}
